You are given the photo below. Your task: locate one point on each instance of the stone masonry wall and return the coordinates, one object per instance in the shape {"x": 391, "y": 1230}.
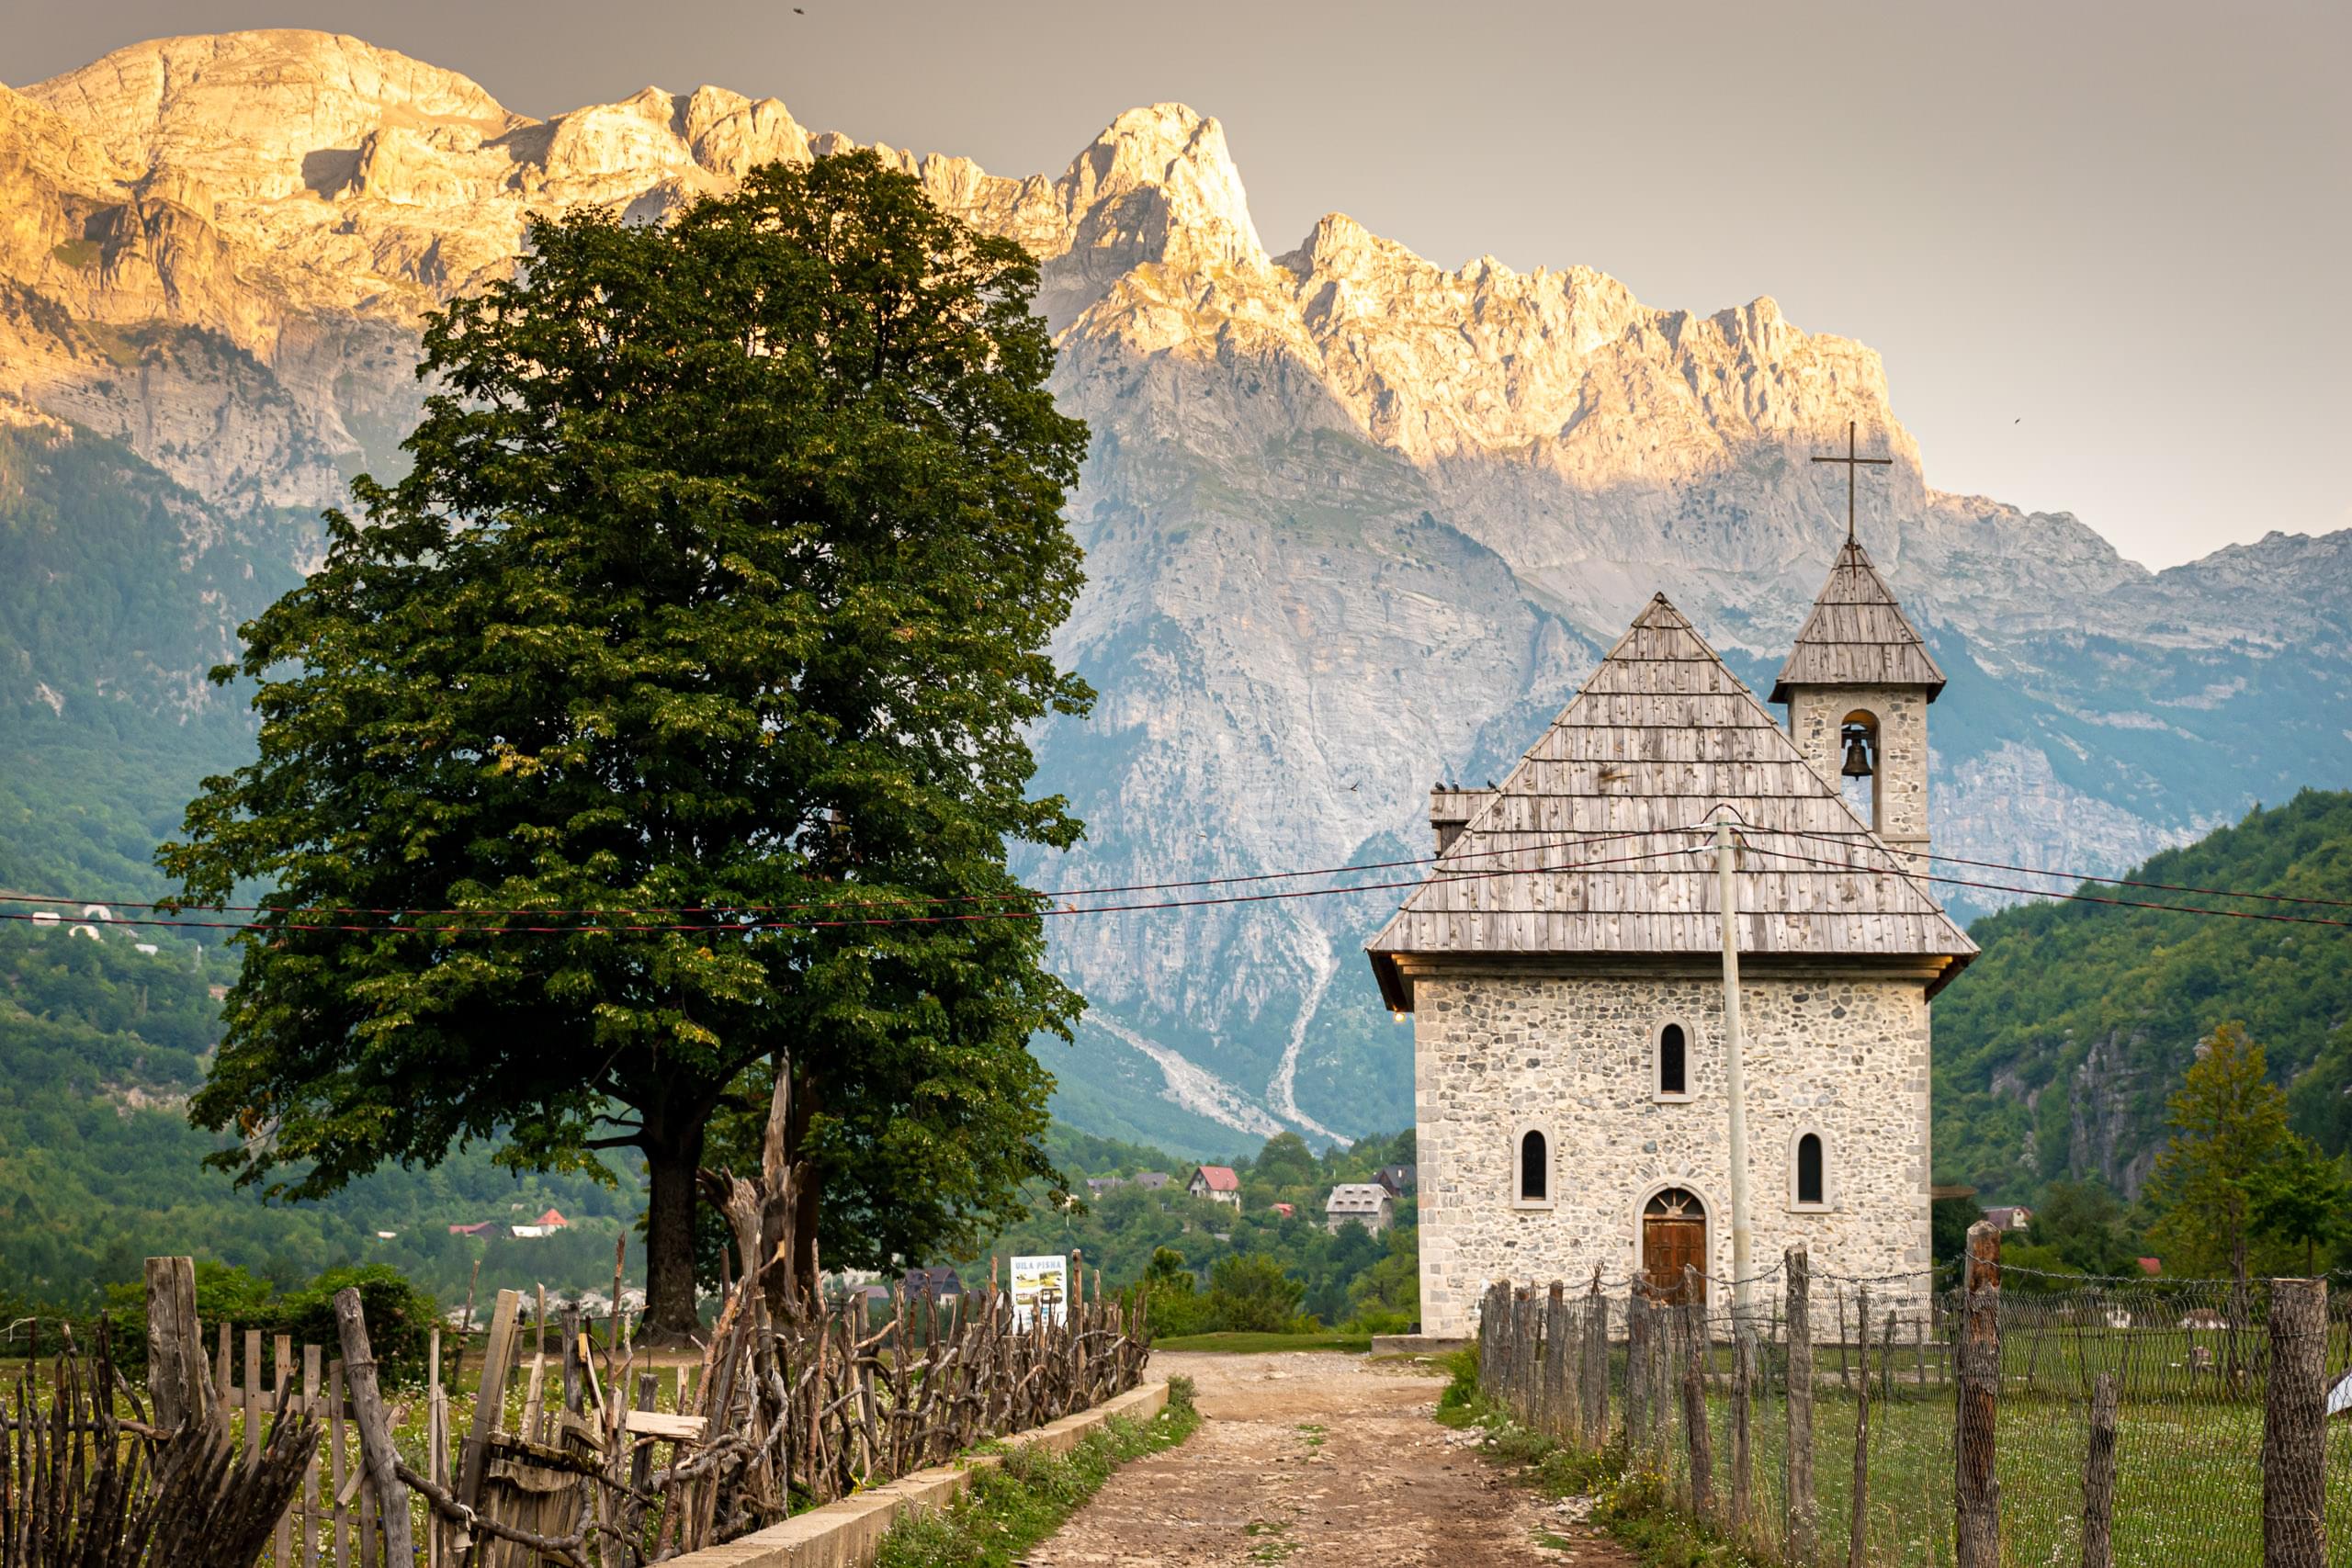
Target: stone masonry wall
{"x": 1816, "y": 717}
{"x": 1847, "y": 1058}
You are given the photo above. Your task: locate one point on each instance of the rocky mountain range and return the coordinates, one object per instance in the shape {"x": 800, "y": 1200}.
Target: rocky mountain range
{"x": 1354, "y": 521}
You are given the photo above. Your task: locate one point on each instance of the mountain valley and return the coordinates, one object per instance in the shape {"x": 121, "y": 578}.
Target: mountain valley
{"x": 1356, "y": 523}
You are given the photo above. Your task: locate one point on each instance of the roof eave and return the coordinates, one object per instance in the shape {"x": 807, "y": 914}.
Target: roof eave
{"x": 1953, "y": 964}
{"x": 1933, "y": 967}
{"x": 1783, "y": 683}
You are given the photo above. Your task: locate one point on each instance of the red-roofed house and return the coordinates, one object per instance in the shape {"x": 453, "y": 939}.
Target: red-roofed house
{"x": 474, "y": 1229}
{"x": 553, "y": 1221}
{"x": 2152, "y": 1265}
{"x": 1284, "y": 1210}
{"x": 1217, "y": 1183}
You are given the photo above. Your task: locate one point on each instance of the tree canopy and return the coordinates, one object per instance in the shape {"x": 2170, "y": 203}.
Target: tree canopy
{"x": 2229, "y": 1121}
{"x": 667, "y": 718}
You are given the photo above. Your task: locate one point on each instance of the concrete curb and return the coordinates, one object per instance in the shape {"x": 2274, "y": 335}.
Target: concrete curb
{"x": 847, "y": 1534}
{"x": 1416, "y": 1344}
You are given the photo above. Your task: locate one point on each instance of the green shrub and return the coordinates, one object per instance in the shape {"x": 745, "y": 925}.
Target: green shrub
{"x": 1254, "y": 1293}
{"x": 400, "y": 1316}
{"x": 1457, "y": 1404}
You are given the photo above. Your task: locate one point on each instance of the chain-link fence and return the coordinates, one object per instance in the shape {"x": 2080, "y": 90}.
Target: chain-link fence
{"x": 2143, "y": 1423}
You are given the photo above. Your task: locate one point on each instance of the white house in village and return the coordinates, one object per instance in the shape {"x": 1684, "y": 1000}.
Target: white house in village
{"x": 1217, "y": 1183}
{"x": 1366, "y": 1203}
{"x": 1568, "y": 1072}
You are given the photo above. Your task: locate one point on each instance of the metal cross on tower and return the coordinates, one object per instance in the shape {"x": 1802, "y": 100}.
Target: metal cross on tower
{"x": 1853, "y": 463}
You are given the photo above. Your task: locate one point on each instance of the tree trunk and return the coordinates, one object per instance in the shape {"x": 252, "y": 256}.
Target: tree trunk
{"x": 671, "y": 1161}
{"x": 806, "y": 1191}
{"x": 783, "y": 1176}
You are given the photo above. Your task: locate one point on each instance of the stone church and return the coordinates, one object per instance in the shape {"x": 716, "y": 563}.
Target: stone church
{"x": 1563, "y": 968}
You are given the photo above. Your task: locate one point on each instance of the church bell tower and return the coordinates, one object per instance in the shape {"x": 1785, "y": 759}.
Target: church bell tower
{"x": 1857, "y": 684}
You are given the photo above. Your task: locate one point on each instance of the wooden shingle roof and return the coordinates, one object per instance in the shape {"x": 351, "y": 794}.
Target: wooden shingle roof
{"x": 1595, "y": 845}
{"x": 1857, "y": 635}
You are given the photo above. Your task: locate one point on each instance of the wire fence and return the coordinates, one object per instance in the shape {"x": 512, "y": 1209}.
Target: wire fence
{"x": 2115, "y": 1424}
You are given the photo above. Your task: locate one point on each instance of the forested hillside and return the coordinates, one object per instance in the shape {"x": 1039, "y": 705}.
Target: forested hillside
{"x": 100, "y": 1044}
{"x": 2055, "y": 1052}
{"x": 118, "y": 590}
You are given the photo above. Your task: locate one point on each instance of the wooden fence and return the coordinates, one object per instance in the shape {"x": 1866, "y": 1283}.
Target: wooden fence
{"x": 577, "y": 1451}
{"x": 2114, "y": 1424}
{"x": 334, "y": 1521}
{"x": 94, "y": 1476}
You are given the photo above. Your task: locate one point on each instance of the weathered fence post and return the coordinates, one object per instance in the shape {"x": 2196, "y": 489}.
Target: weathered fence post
{"x": 1555, "y": 1362}
{"x": 375, "y": 1429}
{"x": 1508, "y": 1351}
{"x": 1857, "y": 1543}
{"x": 1522, "y": 1354}
{"x": 1506, "y": 1328}
{"x": 1696, "y": 1437}
{"x": 1489, "y": 1335}
{"x": 1596, "y": 1366}
{"x": 1976, "y": 1508}
{"x": 1637, "y": 1364}
{"x": 2098, "y": 1478}
{"x": 1665, "y": 1381}
{"x": 1531, "y": 1359}
{"x": 2294, "y": 1433}
{"x": 1845, "y": 1374}
{"x": 489, "y": 1401}
{"x": 175, "y": 1373}
{"x": 1798, "y": 1373}
{"x": 1743, "y": 1379}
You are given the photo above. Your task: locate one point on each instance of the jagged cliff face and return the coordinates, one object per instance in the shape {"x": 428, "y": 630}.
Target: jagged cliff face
{"x": 1354, "y": 521}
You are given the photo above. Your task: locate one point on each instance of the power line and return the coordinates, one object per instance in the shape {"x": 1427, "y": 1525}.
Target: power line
{"x": 1917, "y": 876}
{"x": 2077, "y": 876}
{"x": 1573, "y": 841}
{"x": 752, "y": 927}
{"x": 1446, "y": 862}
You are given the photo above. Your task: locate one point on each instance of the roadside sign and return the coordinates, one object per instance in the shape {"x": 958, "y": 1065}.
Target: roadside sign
{"x": 1040, "y": 1284}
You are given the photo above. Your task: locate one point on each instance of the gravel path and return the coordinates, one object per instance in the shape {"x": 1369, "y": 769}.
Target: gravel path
{"x": 1319, "y": 1461}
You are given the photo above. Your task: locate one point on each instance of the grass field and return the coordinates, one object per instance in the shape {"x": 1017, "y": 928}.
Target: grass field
{"x": 2187, "y": 1489}
{"x": 2189, "y": 1461}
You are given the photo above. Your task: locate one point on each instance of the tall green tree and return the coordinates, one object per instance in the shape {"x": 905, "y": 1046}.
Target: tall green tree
{"x": 716, "y": 601}
{"x": 2228, "y": 1122}
{"x": 1285, "y": 1162}
{"x": 2300, "y": 1198}
{"x": 1255, "y": 1293}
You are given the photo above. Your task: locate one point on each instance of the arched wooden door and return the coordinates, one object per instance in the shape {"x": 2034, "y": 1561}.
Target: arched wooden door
{"x": 1674, "y": 1233}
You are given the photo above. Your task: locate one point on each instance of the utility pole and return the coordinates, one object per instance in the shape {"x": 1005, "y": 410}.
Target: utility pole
{"x": 1735, "y": 1074}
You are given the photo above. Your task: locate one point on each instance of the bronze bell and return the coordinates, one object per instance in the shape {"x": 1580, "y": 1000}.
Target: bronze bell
{"x": 1858, "y": 757}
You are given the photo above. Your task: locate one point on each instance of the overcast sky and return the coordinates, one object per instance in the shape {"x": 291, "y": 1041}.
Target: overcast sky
{"x": 2103, "y": 248}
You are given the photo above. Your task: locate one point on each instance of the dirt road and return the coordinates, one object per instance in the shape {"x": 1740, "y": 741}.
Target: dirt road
{"x": 1317, "y": 1461}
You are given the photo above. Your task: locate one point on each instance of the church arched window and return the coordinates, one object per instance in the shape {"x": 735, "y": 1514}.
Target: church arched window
{"x": 1530, "y": 1171}
{"x": 1809, "y": 1171}
{"x": 1671, "y": 1066}
{"x": 1535, "y": 1167}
